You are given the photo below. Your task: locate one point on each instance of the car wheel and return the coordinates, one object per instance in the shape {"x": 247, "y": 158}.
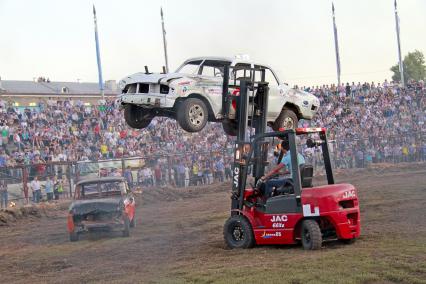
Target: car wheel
{"x": 230, "y": 127}
{"x": 311, "y": 235}
{"x": 126, "y": 230}
{"x": 238, "y": 232}
{"x": 74, "y": 237}
{"x": 192, "y": 114}
{"x": 287, "y": 120}
{"x": 133, "y": 223}
{"x": 136, "y": 117}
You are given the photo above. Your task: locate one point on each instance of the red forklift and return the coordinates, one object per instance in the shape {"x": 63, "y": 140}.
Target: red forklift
{"x": 298, "y": 211}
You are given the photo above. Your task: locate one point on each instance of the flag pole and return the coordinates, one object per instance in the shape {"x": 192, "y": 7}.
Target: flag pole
{"x": 401, "y": 65}
{"x": 98, "y": 56}
{"x": 336, "y": 45}
{"x": 164, "y": 40}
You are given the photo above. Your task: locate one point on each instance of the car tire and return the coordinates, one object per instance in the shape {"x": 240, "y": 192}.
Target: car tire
{"x": 74, "y": 237}
{"x": 287, "y": 120}
{"x": 133, "y": 222}
{"x": 238, "y": 232}
{"x": 136, "y": 117}
{"x": 126, "y": 230}
{"x": 192, "y": 114}
{"x": 311, "y": 235}
{"x": 230, "y": 127}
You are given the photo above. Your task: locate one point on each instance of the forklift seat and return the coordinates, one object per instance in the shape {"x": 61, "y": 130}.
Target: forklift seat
{"x": 306, "y": 174}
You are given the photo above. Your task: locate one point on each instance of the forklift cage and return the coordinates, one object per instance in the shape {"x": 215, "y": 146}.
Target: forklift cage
{"x": 244, "y": 156}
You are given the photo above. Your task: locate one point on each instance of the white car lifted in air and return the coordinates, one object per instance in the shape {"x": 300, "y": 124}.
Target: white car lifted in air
{"x": 193, "y": 95}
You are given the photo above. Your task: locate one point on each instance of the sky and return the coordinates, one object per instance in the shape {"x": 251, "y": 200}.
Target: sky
{"x": 55, "y": 38}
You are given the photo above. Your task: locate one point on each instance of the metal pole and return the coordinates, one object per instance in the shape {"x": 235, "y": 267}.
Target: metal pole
{"x": 336, "y": 45}
{"x": 401, "y": 65}
{"x": 164, "y": 41}
{"x": 98, "y": 56}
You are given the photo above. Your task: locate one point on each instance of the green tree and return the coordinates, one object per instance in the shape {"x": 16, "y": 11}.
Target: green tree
{"x": 414, "y": 67}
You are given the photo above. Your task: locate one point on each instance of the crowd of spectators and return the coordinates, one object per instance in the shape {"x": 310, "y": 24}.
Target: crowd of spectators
{"x": 373, "y": 123}
{"x": 368, "y": 123}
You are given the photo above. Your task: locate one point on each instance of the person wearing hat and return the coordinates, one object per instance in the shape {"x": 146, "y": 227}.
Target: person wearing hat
{"x": 283, "y": 163}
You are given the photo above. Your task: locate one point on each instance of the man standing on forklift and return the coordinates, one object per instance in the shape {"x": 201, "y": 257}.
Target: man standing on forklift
{"x": 285, "y": 163}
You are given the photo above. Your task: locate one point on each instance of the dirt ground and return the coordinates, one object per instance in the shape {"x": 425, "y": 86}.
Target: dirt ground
{"x": 178, "y": 239}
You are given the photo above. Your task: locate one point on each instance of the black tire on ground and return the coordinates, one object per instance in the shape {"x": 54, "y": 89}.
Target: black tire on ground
{"x": 311, "y": 235}
{"x": 230, "y": 127}
{"x": 126, "y": 230}
{"x": 133, "y": 223}
{"x": 74, "y": 237}
{"x": 287, "y": 119}
{"x": 137, "y": 117}
{"x": 192, "y": 114}
{"x": 348, "y": 241}
{"x": 238, "y": 232}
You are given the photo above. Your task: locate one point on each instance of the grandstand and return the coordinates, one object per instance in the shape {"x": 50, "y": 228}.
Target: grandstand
{"x": 31, "y": 93}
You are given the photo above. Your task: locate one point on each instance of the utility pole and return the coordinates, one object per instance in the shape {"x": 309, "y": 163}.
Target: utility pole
{"x": 98, "y": 56}
{"x": 336, "y": 45}
{"x": 164, "y": 40}
{"x": 401, "y": 65}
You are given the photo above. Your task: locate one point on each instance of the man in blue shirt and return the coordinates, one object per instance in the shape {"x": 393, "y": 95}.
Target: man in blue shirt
{"x": 284, "y": 163}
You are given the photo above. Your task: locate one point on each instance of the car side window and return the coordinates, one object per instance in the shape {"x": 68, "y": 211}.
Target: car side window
{"x": 211, "y": 71}
{"x": 270, "y": 78}
{"x": 240, "y": 72}
{"x": 213, "y": 68}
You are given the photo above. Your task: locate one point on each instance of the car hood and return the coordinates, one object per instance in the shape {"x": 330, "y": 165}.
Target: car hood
{"x": 106, "y": 205}
{"x": 151, "y": 78}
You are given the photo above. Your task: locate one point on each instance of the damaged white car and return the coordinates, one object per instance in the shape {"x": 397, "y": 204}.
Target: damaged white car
{"x": 193, "y": 95}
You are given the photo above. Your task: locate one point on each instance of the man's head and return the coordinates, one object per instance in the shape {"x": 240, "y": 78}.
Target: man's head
{"x": 285, "y": 146}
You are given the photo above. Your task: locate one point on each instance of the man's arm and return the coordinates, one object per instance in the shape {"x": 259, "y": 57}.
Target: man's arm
{"x": 275, "y": 170}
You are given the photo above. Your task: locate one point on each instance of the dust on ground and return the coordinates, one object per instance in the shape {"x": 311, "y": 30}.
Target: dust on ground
{"x": 178, "y": 238}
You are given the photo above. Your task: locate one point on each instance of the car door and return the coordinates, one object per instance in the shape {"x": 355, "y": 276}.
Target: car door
{"x": 276, "y": 99}
{"x": 211, "y": 82}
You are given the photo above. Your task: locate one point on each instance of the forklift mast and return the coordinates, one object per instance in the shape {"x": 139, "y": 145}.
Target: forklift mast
{"x": 255, "y": 92}
{"x": 251, "y": 152}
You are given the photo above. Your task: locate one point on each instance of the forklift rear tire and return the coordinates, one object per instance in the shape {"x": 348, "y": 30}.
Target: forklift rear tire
{"x": 135, "y": 116}
{"x": 238, "y": 232}
{"x": 287, "y": 120}
{"x": 230, "y": 127}
{"x": 192, "y": 114}
{"x": 311, "y": 235}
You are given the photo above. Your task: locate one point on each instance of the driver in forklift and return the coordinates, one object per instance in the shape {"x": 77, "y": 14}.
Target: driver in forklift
{"x": 285, "y": 164}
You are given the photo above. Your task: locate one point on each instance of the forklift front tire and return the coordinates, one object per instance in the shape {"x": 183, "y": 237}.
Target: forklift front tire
{"x": 311, "y": 235}
{"x": 238, "y": 232}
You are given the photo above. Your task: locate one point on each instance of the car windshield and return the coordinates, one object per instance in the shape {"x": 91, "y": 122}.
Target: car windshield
{"x": 99, "y": 190}
{"x": 190, "y": 67}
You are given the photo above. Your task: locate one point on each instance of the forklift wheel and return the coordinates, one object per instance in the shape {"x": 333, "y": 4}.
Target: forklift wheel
{"x": 311, "y": 235}
{"x": 238, "y": 232}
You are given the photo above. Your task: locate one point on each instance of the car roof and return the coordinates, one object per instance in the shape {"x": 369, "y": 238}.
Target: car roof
{"x": 100, "y": 180}
{"x": 223, "y": 58}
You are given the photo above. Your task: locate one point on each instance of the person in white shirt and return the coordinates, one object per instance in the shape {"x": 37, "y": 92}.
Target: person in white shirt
{"x": 36, "y": 188}
{"x": 186, "y": 176}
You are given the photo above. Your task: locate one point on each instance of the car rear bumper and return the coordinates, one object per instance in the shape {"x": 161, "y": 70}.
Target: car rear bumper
{"x": 148, "y": 100}
{"x": 86, "y": 226}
